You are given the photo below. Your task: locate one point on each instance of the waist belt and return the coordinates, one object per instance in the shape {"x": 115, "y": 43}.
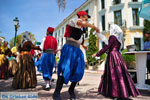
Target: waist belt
{"x": 75, "y": 44}
{"x": 49, "y": 51}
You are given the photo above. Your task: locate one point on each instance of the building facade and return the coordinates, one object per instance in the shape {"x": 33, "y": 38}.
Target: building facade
{"x": 125, "y": 14}
{"x": 105, "y": 12}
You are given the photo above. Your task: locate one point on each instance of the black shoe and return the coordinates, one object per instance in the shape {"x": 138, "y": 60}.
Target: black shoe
{"x": 47, "y": 88}
{"x": 72, "y": 96}
{"x": 72, "y": 99}
{"x": 56, "y": 96}
{"x": 54, "y": 71}
{"x": 52, "y": 80}
{"x": 115, "y": 99}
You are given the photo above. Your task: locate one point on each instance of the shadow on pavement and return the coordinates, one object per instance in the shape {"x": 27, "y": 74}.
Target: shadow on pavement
{"x": 90, "y": 94}
{"x": 5, "y": 85}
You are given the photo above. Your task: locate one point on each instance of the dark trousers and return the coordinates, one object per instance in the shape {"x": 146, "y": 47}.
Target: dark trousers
{"x": 148, "y": 66}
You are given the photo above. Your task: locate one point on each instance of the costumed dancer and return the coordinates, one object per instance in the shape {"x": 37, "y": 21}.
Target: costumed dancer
{"x": 13, "y": 66}
{"x": 49, "y": 47}
{"x": 71, "y": 64}
{"x": 4, "y": 61}
{"x": 25, "y": 77}
{"x": 37, "y": 61}
{"x": 116, "y": 81}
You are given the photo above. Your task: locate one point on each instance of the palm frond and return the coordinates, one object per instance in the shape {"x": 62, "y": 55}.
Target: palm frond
{"x": 61, "y": 4}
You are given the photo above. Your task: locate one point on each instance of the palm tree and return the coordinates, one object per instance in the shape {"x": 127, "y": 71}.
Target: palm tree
{"x": 61, "y": 4}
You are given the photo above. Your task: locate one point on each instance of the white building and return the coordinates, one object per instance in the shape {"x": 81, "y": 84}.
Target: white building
{"x": 122, "y": 12}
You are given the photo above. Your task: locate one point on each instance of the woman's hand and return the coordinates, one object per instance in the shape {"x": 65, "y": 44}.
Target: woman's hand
{"x": 94, "y": 55}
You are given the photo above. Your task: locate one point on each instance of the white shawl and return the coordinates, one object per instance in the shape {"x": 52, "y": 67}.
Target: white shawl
{"x": 25, "y": 37}
{"x": 116, "y": 31}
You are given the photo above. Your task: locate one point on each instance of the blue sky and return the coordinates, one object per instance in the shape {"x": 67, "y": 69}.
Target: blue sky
{"x": 34, "y": 16}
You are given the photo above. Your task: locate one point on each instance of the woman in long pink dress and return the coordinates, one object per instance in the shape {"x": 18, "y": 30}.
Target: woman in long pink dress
{"x": 116, "y": 81}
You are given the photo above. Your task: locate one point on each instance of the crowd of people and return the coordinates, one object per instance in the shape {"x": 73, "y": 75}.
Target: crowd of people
{"x": 20, "y": 61}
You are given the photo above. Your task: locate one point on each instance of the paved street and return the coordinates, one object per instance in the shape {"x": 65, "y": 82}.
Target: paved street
{"x": 86, "y": 90}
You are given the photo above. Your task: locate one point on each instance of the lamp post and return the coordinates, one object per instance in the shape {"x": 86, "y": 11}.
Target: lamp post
{"x": 16, "y": 24}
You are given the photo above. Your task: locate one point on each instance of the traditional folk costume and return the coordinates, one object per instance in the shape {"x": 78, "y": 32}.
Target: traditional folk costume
{"x": 116, "y": 81}
{"x": 4, "y": 62}
{"x": 13, "y": 66}
{"x": 37, "y": 60}
{"x": 71, "y": 64}
{"x": 25, "y": 77}
{"x": 49, "y": 46}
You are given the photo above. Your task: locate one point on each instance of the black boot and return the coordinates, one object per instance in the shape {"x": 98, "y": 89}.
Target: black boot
{"x": 71, "y": 91}
{"x": 59, "y": 85}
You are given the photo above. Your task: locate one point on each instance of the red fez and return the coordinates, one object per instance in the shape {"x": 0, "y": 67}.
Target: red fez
{"x": 50, "y": 29}
{"x": 81, "y": 13}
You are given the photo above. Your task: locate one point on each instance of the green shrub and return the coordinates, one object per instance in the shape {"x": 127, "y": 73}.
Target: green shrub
{"x": 92, "y": 48}
{"x": 127, "y": 58}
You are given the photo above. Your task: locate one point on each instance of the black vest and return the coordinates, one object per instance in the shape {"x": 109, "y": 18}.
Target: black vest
{"x": 76, "y": 33}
